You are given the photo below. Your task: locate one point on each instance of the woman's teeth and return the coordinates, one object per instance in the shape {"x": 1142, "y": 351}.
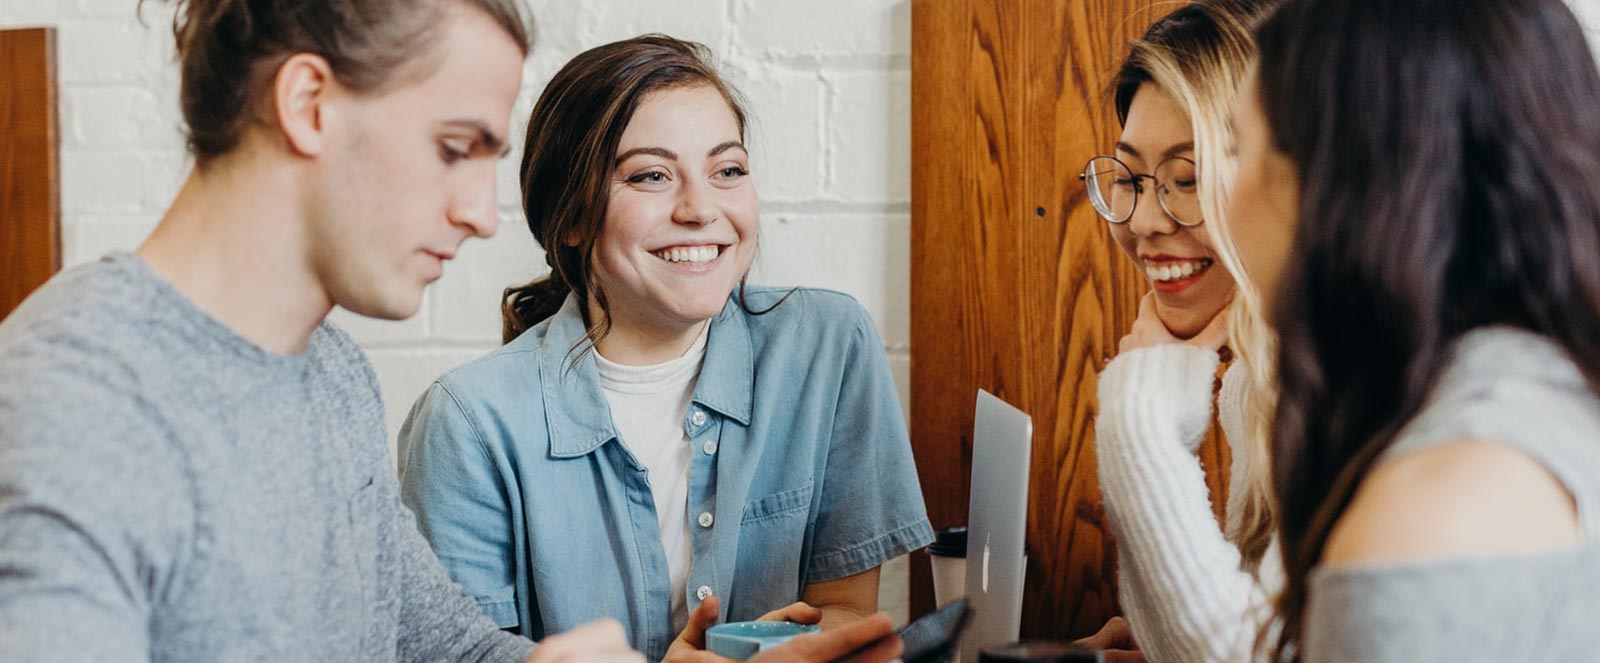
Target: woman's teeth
{"x": 1176, "y": 270}
{"x": 694, "y": 255}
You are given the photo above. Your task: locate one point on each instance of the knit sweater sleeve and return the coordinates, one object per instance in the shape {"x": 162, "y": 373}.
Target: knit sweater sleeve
{"x": 1182, "y": 588}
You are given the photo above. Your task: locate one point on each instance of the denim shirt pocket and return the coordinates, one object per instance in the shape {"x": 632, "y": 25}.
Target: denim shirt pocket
{"x": 772, "y": 537}
{"x": 777, "y": 504}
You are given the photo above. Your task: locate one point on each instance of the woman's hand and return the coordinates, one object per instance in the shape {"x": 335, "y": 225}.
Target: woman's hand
{"x": 600, "y": 641}
{"x": 866, "y": 641}
{"x": 871, "y": 640}
{"x": 798, "y": 612}
{"x": 1115, "y": 642}
{"x": 693, "y": 637}
{"x": 1148, "y": 330}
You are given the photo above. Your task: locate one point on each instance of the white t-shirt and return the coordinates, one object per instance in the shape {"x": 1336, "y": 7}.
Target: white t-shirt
{"x": 648, "y": 405}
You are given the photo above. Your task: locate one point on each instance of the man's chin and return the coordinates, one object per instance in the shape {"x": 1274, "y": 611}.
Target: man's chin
{"x": 380, "y": 308}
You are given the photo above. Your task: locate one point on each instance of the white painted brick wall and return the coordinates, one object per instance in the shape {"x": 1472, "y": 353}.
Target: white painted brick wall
{"x": 829, "y": 96}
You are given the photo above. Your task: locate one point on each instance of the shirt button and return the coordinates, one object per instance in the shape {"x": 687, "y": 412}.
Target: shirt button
{"x": 706, "y": 519}
{"x": 698, "y": 418}
{"x": 703, "y": 593}
{"x": 710, "y": 447}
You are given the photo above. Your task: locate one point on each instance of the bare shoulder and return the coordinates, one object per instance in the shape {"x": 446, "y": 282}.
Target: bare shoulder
{"x": 1461, "y": 499}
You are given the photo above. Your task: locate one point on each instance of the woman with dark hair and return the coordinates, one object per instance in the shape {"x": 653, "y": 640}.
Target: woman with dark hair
{"x": 1417, "y": 181}
{"x": 657, "y": 442}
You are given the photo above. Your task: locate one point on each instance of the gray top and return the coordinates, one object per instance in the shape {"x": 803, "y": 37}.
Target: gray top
{"x": 171, "y": 492}
{"x": 1516, "y": 388}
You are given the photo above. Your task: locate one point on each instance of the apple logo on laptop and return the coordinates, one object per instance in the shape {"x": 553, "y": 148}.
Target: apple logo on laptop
{"x": 986, "y": 563}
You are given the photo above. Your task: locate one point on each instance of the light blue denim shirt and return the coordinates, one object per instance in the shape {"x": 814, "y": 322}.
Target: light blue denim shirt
{"x": 801, "y": 456}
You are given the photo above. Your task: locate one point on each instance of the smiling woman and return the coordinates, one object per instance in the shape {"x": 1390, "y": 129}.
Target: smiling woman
{"x": 656, "y": 442}
{"x": 570, "y": 176}
{"x": 1192, "y": 591}
{"x": 1158, "y": 143}
{"x": 680, "y": 226}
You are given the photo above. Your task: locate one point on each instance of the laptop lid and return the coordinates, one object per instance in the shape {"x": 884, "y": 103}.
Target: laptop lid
{"x": 1002, "y": 446}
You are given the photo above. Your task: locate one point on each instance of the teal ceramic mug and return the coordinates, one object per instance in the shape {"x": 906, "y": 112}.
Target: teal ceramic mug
{"x": 741, "y": 640}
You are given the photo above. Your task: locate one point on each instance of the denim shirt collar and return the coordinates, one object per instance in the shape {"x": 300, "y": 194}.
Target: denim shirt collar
{"x": 576, "y": 412}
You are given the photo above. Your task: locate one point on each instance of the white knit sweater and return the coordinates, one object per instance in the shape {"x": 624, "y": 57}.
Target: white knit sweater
{"x": 1181, "y": 585}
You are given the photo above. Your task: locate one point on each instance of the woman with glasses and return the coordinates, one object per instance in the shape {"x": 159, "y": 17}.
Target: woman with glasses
{"x": 1192, "y": 591}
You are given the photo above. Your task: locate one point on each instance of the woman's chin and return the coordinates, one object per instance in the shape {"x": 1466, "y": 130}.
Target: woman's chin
{"x": 1185, "y": 321}
{"x": 697, "y": 310}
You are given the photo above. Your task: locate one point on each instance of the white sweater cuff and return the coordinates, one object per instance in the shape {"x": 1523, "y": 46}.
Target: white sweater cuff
{"x": 1171, "y": 383}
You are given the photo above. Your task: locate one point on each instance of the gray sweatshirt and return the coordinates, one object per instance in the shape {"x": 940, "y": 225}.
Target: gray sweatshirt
{"x": 1522, "y": 390}
{"x": 171, "y": 492}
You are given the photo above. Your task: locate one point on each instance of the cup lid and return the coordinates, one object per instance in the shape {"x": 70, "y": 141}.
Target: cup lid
{"x": 949, "y": 542}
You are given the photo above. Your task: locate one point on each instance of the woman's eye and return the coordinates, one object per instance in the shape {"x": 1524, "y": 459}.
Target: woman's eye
{"x": 651, "y": 177}
{"x": 732, "y": 172}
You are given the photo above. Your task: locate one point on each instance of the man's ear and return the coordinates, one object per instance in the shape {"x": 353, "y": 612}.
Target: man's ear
{"x": 300, "y": 92}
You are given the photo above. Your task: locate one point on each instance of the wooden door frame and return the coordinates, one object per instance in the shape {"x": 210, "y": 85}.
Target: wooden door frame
{"x": 30, "y": 176}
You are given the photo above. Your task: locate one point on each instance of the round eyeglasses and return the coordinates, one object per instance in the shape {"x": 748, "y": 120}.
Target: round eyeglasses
{"x": 1114, "y": 189}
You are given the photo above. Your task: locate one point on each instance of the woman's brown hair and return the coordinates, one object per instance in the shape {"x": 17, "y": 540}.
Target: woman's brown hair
{"x": 1447, "y": 152}
{"x": 230, "y": 50}
{"x": 570, "y": 155}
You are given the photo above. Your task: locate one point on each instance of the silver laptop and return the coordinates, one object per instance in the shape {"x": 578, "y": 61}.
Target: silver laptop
{"x": 1002, "y": 446}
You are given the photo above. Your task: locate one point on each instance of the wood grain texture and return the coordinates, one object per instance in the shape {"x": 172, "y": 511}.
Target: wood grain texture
{"x": 1016, "y": 286}
{"x": 30, "y": 211}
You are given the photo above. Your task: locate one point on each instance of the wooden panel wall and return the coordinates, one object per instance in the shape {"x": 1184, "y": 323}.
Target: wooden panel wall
{"x": 1016, "y": 286}
{"x": 30, "y": 212}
